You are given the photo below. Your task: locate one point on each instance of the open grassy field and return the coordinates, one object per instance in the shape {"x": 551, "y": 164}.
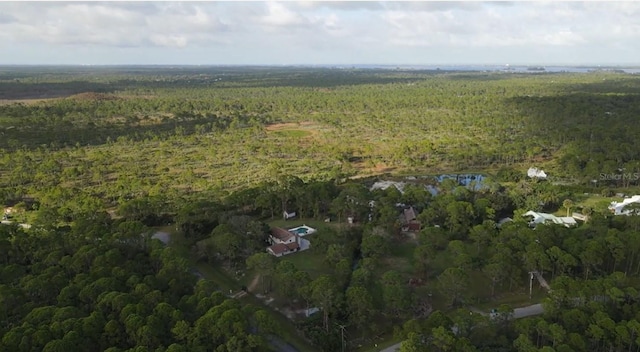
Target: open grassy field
{"x": 310, "y": 261}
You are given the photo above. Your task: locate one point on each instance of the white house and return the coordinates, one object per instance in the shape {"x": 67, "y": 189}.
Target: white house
{"x": 386, "y": 184}
{"x": 285, "y": 242}
{"x": 536, "y": 173}
{"x": 617, "y": 208}
{"x": 280, "y": 235}
{"x": 545, "y": 218}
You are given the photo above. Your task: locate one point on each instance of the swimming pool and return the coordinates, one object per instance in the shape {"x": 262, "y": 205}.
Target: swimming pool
{"x": 302, "y": 230}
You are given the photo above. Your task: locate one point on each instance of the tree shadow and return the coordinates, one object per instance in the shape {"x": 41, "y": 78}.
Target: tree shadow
{"x": 18, "y": 90}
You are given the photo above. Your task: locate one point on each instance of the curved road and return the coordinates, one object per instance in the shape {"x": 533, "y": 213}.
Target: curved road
{"x": 528, "y": 311}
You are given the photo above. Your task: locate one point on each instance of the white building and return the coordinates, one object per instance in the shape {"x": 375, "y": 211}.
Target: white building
{"x": 545, "y": 218}
{"x": 536, "y": 173}
{"x": 617, "y": 208}
{"x": 386, "y": 184}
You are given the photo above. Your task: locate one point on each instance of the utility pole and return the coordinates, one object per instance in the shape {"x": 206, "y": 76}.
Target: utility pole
{"x": 342, "y": 328}
{"x": 530, "y": 284}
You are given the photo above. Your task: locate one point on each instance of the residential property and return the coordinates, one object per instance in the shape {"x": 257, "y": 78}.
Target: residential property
{"x": 618, "y": 208}
{"x": 280, "y": 235}
{"x": 285, "y": 242}
{"x": 303, "y": 230}
{"x": 409, "y": 220}
{"x": 545, "y": 218}
{"x": 280, "y": 249}
{"x": 386, "y": 184}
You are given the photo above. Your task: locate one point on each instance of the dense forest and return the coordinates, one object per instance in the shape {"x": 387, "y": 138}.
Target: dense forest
{"x": 96, "y": 160}
{"x": 102, "y": 286}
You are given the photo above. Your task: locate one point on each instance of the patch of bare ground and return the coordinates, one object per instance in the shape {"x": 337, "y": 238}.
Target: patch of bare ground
{"x": 306, "y": 125}
{"x": 304, "y": 130}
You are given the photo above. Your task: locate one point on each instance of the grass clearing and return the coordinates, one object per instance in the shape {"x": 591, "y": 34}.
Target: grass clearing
{"x": 514, "y": 299}
{"x": 311, "y": 261}
{"x": 297, "y": 130}
{"x": 594, "y": 201}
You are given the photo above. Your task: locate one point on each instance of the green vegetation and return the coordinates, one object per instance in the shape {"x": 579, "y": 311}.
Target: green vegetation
{"x": 95, "y": 158}
{"x": 292, "y": 133}
{"x": 120, "y": 134}
{"x": 62, "y": 290}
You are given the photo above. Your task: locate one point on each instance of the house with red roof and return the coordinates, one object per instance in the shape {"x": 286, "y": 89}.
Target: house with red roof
{"x": 284, "y": 242}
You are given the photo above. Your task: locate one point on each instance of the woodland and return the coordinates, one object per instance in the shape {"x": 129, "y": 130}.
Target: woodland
{"x": 98, "y": 159}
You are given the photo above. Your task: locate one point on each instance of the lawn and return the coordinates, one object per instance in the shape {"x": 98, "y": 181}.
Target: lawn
{"x": 514, "y": 299}
{"x": 311, "y": 261}
{"x": 594, "y": 201}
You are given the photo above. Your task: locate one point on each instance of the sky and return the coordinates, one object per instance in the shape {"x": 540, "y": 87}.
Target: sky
{"x": 320, "y": 33}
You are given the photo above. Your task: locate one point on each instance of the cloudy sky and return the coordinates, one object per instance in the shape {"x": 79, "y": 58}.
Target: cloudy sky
{"x": 323, "y": 32}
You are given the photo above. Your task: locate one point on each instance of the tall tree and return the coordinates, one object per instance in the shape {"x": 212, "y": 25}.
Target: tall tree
{"x": 264, "y": 264}
{"x": 453, "y": 283}
{"x": 325, "y": 294}
{"x": 360, "y": 307}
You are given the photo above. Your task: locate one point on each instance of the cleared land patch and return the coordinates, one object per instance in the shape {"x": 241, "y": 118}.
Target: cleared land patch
{"x": 295, "y": 130}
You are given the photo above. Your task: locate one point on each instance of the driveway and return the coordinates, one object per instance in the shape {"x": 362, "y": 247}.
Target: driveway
{"x": 393, "y": 348}
{"x": 535, "y": 309}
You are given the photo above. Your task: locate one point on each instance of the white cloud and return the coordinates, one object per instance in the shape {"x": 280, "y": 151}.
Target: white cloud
{"x": 169, "y": 40}
{"x": 305, "y": 31}
{"x": 280, "y": 16}
{"x": 114, "y": 24}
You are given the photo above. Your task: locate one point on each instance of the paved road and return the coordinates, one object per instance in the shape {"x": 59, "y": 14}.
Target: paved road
{"x": 535, "y": 309}
{"x": 528, "y": 311}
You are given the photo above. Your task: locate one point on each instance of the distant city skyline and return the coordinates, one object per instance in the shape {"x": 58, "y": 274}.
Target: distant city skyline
{"x": 320, "y": 33}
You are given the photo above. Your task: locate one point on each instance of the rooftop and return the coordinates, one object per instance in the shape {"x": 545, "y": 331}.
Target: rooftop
{"x": 281, "y": 234}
